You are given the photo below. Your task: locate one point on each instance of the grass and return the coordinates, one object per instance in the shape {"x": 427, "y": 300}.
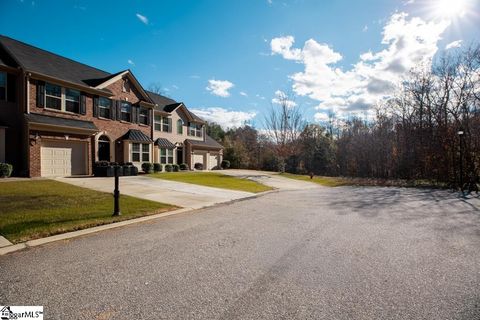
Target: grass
{"x": 36, "y": 209}
{"x": 346, "y": 181}
{"x": 213, "y": 179}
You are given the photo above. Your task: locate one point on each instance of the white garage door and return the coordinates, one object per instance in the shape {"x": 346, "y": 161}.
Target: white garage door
{"x": 63, "y": 159}
{"x": 213, "y": 161}
{"x": 199, "y": 158}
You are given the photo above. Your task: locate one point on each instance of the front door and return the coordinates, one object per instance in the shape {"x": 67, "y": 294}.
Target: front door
{"x": 103, "y": 149}
{"x": 179, "y": 155}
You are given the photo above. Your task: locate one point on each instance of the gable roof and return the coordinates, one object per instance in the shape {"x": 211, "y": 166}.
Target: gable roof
{"x": 120, "y": 75}
{"x": 209, "y": 143}
{"x": 136, "y": 136}
{"x": 43, "y": 62}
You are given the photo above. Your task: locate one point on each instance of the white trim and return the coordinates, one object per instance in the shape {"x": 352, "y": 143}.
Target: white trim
{"x": 112, "y": 145}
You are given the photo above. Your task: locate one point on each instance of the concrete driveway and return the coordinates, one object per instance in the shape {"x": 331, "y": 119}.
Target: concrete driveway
{"x": 180, "y": 194}
{"x": 271, "y": 179}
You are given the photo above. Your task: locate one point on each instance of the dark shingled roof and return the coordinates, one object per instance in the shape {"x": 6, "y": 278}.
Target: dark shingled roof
{"x": 136, "y": 136}
{"x": 40, "y": 61}
{"x": 168, "y": 105}
{"x": 62, "y": 122}
{"x": 164, "y": 143}
{"x": 209, "y": 143}
{"x": 171, "y": 107}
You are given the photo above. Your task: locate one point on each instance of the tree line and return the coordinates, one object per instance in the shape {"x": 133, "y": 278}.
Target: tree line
{"x": 429, "y": 128}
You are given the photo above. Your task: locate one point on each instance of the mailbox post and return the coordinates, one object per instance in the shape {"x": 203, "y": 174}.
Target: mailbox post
{"x": 116, "y": 194}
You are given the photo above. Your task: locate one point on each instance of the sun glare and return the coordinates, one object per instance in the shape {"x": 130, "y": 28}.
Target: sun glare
{"x": 450, "y": 8}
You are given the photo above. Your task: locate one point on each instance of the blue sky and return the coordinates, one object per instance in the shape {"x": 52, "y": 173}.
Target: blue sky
{"x": 231, "y": 60}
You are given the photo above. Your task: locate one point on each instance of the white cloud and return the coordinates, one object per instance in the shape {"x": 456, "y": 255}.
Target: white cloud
{"x": 225, "y": 118}
{"x": 365, "y": 28}
{"x": 194, "y": 76}
{"x": 454, "y": 44}
{"x": 409, "y": 42}
{"x": 219, "y": 87}
{"x": 142, "y": 18}
{"x": 281, "y": 98}
{"x": 243, "y": 94}
{"x": 130, "y": 62}
{"x": 321, "y": 117}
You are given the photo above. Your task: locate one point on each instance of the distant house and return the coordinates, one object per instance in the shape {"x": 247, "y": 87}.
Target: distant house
{"x": 58, "y": 117}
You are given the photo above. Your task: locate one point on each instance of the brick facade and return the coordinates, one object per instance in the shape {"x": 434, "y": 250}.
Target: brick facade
{"x": 114, "y": 129}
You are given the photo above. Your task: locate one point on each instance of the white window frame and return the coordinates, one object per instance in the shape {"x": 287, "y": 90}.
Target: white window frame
{"x": 143, "y": 117}
{"x": 195, "y": 130}
{"x": 62, "y": 98}
{"x": 180, "y": 127}
{"x": 165, "y": 126}
{"x": 6, "y": 84}
{"x": 102, "y": 107}
{"x": 143, "y": 151}
{"x": 167, "y": 158}
{"x": 122, "y": 113}
{"x": 157, "y": 122}
{"x": 133, "y": 151}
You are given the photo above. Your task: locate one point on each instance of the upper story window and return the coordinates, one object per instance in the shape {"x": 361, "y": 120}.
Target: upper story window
{"x": 166, "y": 124}
{"x": 126, "y": 111}
{"x": 62, "y": 99}
{"x": 104, "y": 107}
{"x": 195, "y": 130}
{"x": 179, "y": 126}
{"x": 53, "y": 96}
{"x": 143, "y": 115}
{"x": 3, "y": 86}
{"x": 72, "y": 100}
{"x": 157, "y": 122}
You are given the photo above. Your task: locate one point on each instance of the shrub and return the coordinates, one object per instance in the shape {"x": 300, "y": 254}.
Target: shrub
{"x": 5, "y": 170}
{"x": 198, "y": 166}
{"x": 168, "y": 168}
{"x": 225, "y": 164}
{"x": 183, "y": 166}
{"x": 176, "y": 168}
{"x": 157, "y": 167}
{"x": 102, "y": 164}
{"x": 217, "y": 168}
{"x": 147, "y": 167}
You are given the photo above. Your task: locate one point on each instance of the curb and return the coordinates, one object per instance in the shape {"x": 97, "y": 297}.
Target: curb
{"x": 79, "y": 233}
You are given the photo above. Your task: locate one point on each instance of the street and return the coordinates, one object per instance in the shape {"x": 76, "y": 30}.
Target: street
{"x": 320, "y": 253}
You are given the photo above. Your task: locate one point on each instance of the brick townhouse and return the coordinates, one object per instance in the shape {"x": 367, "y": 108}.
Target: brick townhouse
{"x": 58, "y": 117}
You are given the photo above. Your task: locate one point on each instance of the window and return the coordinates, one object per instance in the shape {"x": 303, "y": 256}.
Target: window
{"x": 126, "y": 86}
{"x": 145, "y": 152}
{"x": 3, "y": 86}
{"x": 195, "y": 130}
{"x": 179, "y": 126}
{"x": 140, "y": 151}
{"x": 72, "y": 100}
{"x": 62, "y": 99}
{"x": 104, "y": 107}
{"x": 166, "y": 155}
{"x": 53, "y": 96}
{"x": 165, "y": 124}
{"x": 143, "y": 115}
{"x": 157, "y": 123}
{"x": 126, "y": 111}
{"x": 135, "y": 152}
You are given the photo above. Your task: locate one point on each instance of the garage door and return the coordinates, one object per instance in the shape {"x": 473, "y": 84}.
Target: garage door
{"x": 199, "y": 158}
{"x": 213, "y": 161}
{"x": 63, "y": 159}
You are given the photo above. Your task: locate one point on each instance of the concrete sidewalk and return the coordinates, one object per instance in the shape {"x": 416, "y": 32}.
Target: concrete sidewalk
{"x": 177, "y": 193}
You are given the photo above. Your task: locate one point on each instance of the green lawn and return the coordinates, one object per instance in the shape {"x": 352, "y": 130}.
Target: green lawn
{"x": 324, "y": 181}
{"x": 40, "y": 208}
{"x": 213, "y": 179}
{"x": 347, "y": 181}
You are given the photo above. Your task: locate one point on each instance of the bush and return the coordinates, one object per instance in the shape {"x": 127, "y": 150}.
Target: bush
{"x": 5, "y": 170}
{"x": 168, "y": 168}
{"x": 176, "y": 168}
{"x": 217, "y": 168}
{"x": 183, "y": 166}
{"x": 198, "y": 166}
{"x": 225, "y": 164}
{"x": 157, "y": 167}
{"x": 147, "y": 167}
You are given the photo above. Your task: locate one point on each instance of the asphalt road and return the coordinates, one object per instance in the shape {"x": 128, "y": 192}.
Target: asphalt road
{"x": 342, "y": 253}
